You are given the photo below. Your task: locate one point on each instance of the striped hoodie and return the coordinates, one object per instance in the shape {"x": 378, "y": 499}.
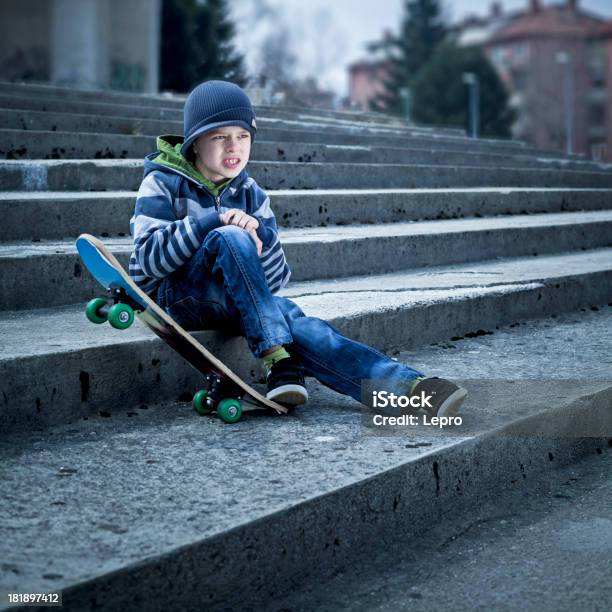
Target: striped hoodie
{"x": 175, "y": 211}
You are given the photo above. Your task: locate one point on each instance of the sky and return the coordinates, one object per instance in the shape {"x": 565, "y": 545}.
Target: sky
{"x": 328, "y": 35}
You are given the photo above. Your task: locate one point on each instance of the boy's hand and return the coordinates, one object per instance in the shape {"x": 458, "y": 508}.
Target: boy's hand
{"x": 238, "y": 217}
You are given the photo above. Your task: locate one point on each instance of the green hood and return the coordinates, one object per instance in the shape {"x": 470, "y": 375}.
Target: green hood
{"x": 169, "y": 148}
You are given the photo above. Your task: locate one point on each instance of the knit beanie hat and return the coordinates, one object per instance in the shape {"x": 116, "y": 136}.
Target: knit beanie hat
{"x": 213, "y": 104}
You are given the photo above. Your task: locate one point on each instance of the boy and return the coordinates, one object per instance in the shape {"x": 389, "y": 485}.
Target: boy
{"x": 206, "y": 249}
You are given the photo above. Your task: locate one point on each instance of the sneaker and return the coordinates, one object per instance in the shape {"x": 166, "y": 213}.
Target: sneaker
{"x": 446, "y": 396}
{"x": 286, "y": 382}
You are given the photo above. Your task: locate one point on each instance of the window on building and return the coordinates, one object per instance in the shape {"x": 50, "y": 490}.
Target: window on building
{"x": 596, "y": 54}
{"x": 518, "y": 80}
{"x": 599, "y": 151}
{"x": 520, "y": 53}
{"x": 597, "y": 114}
{"x": 598, "y": 77}
{"x": 498, "y": 56}
{"x": 596, "y": 62}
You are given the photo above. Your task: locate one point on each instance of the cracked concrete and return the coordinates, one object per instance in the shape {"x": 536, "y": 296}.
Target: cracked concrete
{"x": 91, "y": 498}
{"x": 543, "y": 547}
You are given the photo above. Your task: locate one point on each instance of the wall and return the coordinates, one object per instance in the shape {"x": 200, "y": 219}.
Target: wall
{"x": 24, "y": 40}
{"x": 134, "y": 45}
{"x": 86, "y": 43}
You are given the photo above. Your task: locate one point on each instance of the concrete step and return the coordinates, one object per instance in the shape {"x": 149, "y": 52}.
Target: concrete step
{"x": 26, "y": 144}
{"x": 44, "y": 215}
{"x": 55, "y": 92}
{"x": 56, "y": 366}
{"x": 25, "y": 96}
{"x": 94, "y": 123}
{"x": 350, "y": 116}
{"x": 16, "y": 102}
{"x": 117, "y": 174}
{"x": 387, "y": 133}
{"x": 19, "y": 144}
{"x": 318, "y": 253}
{"x": 44, "y": 114}
{"x": 521, "y": 549}
{"x": 161, "y": 509}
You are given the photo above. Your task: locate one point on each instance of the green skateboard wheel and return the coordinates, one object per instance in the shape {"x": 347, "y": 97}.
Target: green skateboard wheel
{"x": 199, "y": 402}
{"x": 120, "y": 316}
{"x": 229, "y": 410}
{"x": 91, "y": 311}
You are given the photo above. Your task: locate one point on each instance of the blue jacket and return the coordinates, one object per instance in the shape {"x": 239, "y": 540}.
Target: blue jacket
{"x": 174, "y": 213}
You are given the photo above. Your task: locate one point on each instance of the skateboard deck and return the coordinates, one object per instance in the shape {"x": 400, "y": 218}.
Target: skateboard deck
{"x": 124, "y": 299}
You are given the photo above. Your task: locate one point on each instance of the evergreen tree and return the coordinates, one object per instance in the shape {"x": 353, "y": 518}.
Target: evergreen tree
{"x": 178, "y": 48}
{"x": 197, "y": 45}
{"x": 440, "y": 97}
{"x": 421, "y": 32}
{"x": 214, "y": 33}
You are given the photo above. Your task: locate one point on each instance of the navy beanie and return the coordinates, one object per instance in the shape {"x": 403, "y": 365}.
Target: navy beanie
{"x": 213, "y": 104}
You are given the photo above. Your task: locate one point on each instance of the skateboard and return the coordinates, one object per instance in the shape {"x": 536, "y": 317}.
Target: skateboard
{"x": 225, "y": 391}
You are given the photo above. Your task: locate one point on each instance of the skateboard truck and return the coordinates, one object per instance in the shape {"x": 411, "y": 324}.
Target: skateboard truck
{"x": 220, "y": 395}
{"x": 215, "y": 397}
{"x": 120, "y": 314}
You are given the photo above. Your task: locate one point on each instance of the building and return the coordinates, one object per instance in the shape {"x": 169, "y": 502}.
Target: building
{"x": 84, "y": 43}
{"x": 366, "y": 80}
{"x": 476, "y": 30}
{"x": 552, "y": 59}
{"x": 556, "y": 62}
{"x": 606, "y": 45}
{"x": 367, "y": 77}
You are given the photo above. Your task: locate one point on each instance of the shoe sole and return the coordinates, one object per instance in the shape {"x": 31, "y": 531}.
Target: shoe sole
{"x": 288, "y": 394}
{"x": 451, "y": 404}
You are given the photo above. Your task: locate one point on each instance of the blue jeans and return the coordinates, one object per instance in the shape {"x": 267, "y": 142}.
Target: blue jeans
{"x": 223, "y": 287}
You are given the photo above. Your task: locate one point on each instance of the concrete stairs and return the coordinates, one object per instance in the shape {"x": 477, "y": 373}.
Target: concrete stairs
{"x": 115, "y": 492}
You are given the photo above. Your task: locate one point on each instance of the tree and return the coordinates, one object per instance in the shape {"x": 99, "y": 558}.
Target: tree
{"x": 178, "y": 48}
{"x": 421, "y": 32}
{"x": 214, "y": 33}
{"x": 197, "y": 45}
{"x": 277, "y": 62}
{"x": 440, "y": 97}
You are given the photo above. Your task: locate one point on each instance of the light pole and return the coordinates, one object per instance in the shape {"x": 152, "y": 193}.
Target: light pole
{"x": 565, "y": 60}
{"x": 471, "y": 80}
{"x": 406, "y": 97}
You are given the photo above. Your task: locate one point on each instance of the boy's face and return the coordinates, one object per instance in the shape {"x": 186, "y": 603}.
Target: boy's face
{"x": 222, "y": 153}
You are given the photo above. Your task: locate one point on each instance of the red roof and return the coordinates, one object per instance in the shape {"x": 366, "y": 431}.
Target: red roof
{"x": 605, "y": 29}
{"x": 557, "y": 20}
{"x": 367, "y": 65}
